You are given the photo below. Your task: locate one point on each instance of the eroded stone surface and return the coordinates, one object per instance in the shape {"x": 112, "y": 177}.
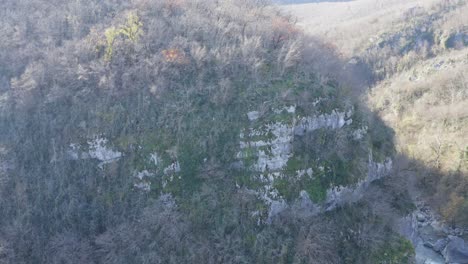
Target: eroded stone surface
{"x": 94, "y": 149}
{"x": 434, "y": 242}
{"x": 456, "y": 251}
{"x": 348, "y": 194}
{"x": 270, "y": 147}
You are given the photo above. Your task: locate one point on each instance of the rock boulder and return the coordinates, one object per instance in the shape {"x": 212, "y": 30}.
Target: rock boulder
{"x": 456, "y": 251}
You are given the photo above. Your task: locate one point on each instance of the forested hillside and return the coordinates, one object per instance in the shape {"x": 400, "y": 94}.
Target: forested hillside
{"x": 416, "y": 57}
{"x": 177, "y": 131}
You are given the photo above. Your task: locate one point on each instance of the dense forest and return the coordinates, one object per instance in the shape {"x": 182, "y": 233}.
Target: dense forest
{"x": 190, "y": 131}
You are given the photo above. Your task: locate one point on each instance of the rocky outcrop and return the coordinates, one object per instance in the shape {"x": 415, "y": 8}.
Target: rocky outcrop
{"x": 456, "y": 251}
{"x": 94, "y": 149}
{"x": 334, "y": 120}
{"x": 349, "y": 194}
{"x": 434, "y": 241}
{"x": 266, "y": 149}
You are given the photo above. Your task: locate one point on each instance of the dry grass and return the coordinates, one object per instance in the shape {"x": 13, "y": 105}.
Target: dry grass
{"x": 455, "y": 20}
{"x": 427, "y": 106}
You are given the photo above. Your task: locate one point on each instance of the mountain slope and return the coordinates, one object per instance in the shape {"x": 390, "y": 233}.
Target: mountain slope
{"x": 185, "y": 132}
{"x": 416, "y": 56}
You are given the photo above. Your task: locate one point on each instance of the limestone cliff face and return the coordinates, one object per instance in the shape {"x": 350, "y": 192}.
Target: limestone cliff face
{"x": 267, "y": 150}
{"x": 270, "y": 163}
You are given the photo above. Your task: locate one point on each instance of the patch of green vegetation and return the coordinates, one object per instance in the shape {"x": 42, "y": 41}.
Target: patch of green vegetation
{"x": 287, "y": 188}
{"x": 190, "y": 161}
{"x": 331, "y": 95}
{"x": 246, "y": 179}
{"x": 316, "y": 151}
{"x": 261, "y": 207}
{"x": 111, "y": 34}
{"x": 126, "y": 141}
{"x": 397, "y": 251}
{"x": 146, "y": 144}
{"x": 316, "y": 185}
{"x": 249, "y": 156}
{"x": 283, "y": 84}
{"x": 132, "y": 27}
{"x": 175, "y": 186}
{"x": 324, "y": 137}
{"x": 333, "y": 172}
{"x": 283, "y": 117}
{"x": 315, "y": 188}
{"x": 341, "y": 171}
{"x": 249, "y": 240}
{"x": 293, "y": 165}
{"x": 131, "y": 30}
